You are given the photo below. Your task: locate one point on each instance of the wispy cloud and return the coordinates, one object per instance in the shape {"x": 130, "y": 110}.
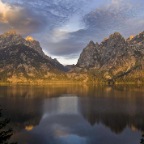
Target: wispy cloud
{"x": 110, "y": 17}
{"x": 22, "y": 19}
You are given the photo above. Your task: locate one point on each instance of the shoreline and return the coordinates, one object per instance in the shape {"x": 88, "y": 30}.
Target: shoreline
{"x": 64, "y": 83}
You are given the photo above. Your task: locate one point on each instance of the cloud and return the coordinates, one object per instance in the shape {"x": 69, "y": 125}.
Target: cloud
{"x": 108, "y": 17}
{"x": 58, "y": 35}
{"x": 64, "y": 48}
{"x": 22, "y": 19}
{"x": 116, "y": 2}
{"x": 3, "y": 12}
{"x": 53, "y": 13}
{"x": 114, "y": 16}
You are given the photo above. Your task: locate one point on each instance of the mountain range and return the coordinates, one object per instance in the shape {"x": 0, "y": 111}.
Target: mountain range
{"x": 114, "y": 60}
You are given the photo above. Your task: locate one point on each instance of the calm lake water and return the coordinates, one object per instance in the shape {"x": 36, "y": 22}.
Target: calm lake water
{"x": 75, "y": 114}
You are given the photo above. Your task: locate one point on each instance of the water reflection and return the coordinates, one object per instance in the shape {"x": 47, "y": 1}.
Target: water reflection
{"x": 75, "y": 114}
{"x": 66, "y": 104}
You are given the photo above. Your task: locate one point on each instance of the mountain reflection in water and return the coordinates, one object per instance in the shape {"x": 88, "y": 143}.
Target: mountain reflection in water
{"x": 75, "y": 114}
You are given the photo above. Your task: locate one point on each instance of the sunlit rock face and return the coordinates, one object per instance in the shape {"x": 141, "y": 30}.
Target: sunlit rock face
{"x": 131, "y": 37}
{"x": 33, "y": 44}
{"x": 114, "y": 57}
{"x": 29, "y": 38}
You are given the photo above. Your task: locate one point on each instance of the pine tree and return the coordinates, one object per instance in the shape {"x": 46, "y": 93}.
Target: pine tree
{"x": 5, "y": 131}
{"x": 142, "y": 140}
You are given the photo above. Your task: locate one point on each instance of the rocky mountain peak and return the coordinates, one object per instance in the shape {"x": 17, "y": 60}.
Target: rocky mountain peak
{"x": 138, "y": 39}
{"x": 116, "y": 36}
{"x": 90, "y": 56}
{"x": 29, "y": 41}
{"x": 11, "y": 38}
{"x": 91, "y": 44}
{"x": 113, "y": 56}
{"x": 115, "y": 41}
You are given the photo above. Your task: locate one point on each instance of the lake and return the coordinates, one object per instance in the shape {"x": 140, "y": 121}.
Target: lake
{"x": 75, "y": 114}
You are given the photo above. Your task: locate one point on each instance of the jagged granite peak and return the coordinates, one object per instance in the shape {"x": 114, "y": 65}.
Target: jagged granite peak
{"x": 31, "y": 42}
{"x": 114, "y": 57}
{"x": 98, "y": 55}
{"x": 90, "y": 56}
{"x": 137, "y": 39}
{"x": 12, "y": 38}
{"x": 136, "y": 44}
{"x": 112, "y": 47}
{"x": 91, "y": 44}
{"x": 116, "y": 34}
{"x": 113, "y": 39}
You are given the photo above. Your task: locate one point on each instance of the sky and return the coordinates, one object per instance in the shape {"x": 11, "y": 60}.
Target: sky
{"x": 65, "y": 27}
